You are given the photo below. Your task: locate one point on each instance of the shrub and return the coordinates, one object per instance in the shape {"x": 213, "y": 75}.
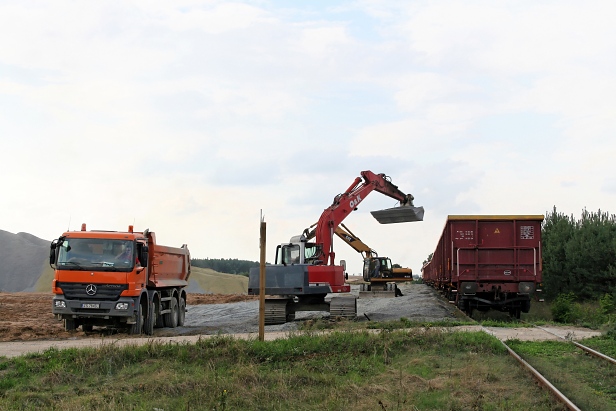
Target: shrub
{"x": 607, "y": 304}
{"x": 563, "y": 308}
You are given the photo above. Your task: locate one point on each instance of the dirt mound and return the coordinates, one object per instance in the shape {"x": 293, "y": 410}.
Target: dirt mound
{"x": 27, "y": 316}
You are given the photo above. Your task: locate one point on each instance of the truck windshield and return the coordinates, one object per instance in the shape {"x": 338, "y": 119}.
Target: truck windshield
{"x": 96, "y": 254}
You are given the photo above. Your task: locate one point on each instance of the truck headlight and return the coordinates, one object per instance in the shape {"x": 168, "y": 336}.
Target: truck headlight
{"x": 121, "y": 306}
{"x": 59, "y": 303}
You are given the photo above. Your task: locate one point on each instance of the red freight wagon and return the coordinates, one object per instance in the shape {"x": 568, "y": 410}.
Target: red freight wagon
{"x": 488, "y": 262}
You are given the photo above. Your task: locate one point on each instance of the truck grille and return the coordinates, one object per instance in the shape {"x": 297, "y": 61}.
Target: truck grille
{"x": 104, "y": 292}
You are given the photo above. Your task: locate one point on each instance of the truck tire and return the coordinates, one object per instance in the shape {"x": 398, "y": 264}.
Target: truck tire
{"x": 171, "y": 318}
{"x": 150, "y": 319}
{"x": 135, "y": 329}
{"x": 70, "y": 324}
{"x": 181, "y": 312}
{"x": 160, "y": 318}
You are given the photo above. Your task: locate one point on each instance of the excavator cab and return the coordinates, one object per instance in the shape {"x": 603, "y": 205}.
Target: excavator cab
{"x": 298, "y": 251}
{"x": 377, "y": 267}
{"x": 289, "y": 254}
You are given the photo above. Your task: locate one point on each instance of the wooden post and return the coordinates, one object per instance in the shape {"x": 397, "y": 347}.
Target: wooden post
{"x": 262, "y": 282}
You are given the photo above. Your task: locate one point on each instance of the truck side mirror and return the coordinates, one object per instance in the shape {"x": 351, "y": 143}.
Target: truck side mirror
{"x": 52, "y": 252}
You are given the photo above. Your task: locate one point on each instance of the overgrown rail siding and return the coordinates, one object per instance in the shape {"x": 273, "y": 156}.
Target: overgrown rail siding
{"x": 567, "y": 383}
{"x": 543, "y": 381}
{"x": 579, "y": 381}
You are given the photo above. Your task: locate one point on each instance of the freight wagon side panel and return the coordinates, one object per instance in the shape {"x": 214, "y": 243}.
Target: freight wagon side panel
{"x": 434, "y": 271}
{"x": 502, "y": 251}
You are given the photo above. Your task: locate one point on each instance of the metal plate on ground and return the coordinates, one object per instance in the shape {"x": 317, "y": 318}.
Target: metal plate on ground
{"x": 403, "y": 214}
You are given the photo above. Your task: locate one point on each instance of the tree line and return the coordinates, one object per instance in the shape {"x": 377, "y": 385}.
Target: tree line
{"x": 222, "y": 265}
{"x": 579, "y": 255}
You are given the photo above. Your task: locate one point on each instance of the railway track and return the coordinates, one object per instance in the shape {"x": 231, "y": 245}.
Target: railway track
{"x": 541, "y": 379}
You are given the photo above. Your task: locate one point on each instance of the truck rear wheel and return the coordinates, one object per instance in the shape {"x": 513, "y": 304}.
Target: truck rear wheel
{"x": 181, "y": 312}
{"x": 171, "y": 318}
{"x": 160, "y": 318}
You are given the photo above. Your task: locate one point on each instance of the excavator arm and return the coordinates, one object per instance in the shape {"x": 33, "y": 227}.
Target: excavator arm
{"x": 348, "y": 201}
{"x": 345, "y": 234}
{"x": 352, "y": 240}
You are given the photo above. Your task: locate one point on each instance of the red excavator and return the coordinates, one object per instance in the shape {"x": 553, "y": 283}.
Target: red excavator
{"x": 305, "y": 272}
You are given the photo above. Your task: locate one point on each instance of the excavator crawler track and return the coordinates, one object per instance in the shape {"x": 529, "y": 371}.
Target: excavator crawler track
{"x": 343, "y": 306}
{"x": 277, "y": 311}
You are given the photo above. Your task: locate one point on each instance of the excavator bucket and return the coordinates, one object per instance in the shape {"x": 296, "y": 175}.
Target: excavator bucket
{"x": 402, "y": 214}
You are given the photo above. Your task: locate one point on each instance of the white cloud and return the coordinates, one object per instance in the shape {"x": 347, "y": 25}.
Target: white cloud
{"x": 190, "y": 117}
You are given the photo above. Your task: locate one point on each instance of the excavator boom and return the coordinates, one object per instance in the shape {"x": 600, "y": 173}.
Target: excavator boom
{"x": 348, "y": 201}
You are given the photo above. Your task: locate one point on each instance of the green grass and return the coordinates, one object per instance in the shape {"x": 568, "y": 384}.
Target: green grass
{"x": 605, "y": 345}
{"x": 417, "y": 369}
{"x": 587, "y": 381}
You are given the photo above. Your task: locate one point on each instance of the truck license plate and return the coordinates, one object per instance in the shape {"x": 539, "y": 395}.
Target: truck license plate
{"x": 89, "y": 305}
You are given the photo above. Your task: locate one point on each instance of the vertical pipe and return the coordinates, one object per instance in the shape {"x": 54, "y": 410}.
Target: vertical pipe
{"x": 262, "y": 282}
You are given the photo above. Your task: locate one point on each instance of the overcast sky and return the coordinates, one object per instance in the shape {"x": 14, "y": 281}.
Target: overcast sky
{"x": 189, "y": 117}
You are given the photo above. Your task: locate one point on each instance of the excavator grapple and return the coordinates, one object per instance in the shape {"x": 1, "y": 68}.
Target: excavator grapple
{"x": 401, "y": 214}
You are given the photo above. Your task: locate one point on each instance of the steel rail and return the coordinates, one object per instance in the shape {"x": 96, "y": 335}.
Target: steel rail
{"x": 542, "y": 380}
{"x": 583, "y": 347}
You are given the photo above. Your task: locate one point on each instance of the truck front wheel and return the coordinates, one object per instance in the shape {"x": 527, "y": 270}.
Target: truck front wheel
{"x": 135, "y": 329}
{"x": 150, "y": 320}
{"x": 70, "y": 324}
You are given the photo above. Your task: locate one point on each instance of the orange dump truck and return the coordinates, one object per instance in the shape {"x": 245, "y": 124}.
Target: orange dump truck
{"x": 118, "y": 280}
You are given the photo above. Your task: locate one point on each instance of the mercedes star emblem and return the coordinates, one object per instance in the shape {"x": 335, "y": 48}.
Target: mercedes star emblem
{"x": 90, "y": 289}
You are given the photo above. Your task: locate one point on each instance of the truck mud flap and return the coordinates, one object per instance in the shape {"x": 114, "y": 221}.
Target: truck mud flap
{"x": 402, "y": 214}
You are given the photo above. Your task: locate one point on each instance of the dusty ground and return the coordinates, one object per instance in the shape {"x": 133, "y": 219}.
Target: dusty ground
{"x": 27, "y": 316}
{"x": 27, "y": 325}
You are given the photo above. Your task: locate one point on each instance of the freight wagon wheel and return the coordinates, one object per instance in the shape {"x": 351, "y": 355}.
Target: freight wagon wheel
{"x": 181, "y": 312}
{"x": 69, "y": 324}
{"x": 135, "y": 329}
{"x": 150, "y": 319}
{"x": 171, "y": 318}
